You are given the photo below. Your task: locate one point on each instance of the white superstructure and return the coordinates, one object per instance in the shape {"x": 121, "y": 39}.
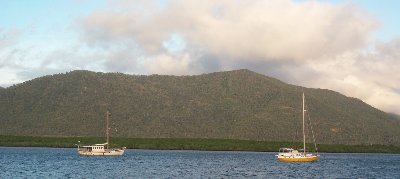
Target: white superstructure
{"x": 99, "y": 149}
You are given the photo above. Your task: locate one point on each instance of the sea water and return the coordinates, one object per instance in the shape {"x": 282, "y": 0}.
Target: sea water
{"x": 65, "y": 163}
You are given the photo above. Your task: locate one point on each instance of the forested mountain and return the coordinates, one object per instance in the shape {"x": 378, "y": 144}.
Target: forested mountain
{"x": 237, "y": 104}
{"x": 395, "y": 115}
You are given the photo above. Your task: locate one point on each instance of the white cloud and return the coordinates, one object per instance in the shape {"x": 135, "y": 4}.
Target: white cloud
{"x": 371, "y": 76}
{"x": 267, "y": 30}
{"x": 381, "y": 71}
{"x": 171, "y": 65}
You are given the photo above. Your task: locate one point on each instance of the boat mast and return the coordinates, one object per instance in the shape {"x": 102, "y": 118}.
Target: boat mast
{"x": 107, "y": 130}
{"x": 304, "y": 134}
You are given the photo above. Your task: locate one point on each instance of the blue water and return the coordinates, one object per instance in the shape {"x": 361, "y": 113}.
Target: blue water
{"x": 65, "y": 163}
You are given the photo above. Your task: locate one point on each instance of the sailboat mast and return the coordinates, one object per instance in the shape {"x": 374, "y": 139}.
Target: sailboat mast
{"x": 304, "y": 134}
{"x": 107, "y": 131}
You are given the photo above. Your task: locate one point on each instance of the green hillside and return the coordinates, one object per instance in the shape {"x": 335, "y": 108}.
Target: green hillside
{"x": 237, "y": 104}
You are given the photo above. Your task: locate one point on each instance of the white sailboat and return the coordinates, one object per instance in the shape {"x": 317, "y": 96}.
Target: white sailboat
{"x": 101, "y": 149}
{"x": 292, "y": 155}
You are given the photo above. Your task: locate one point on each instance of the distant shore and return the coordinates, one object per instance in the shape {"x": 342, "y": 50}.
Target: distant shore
{"x": 188, "y": 144}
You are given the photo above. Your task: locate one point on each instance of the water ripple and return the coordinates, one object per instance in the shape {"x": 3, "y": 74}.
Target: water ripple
{"x": 65, "y": 163}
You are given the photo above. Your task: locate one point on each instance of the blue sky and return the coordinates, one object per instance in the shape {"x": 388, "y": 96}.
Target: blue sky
{"x": 385, "y": 11}
{"x": 48, "y": 24}
{"x": 350, "y": 46}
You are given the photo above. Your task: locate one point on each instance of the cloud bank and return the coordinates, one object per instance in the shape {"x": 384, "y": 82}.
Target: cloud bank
{"x": 267, "y": 30}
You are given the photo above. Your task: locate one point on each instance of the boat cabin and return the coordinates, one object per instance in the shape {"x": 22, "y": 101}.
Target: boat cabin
{"x": 289, "y": 152}
{"x": 93, "y": 148}
{"x": 285, "y": 150}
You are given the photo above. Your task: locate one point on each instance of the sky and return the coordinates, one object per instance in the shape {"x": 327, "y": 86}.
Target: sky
{"x": 349, "y": 46}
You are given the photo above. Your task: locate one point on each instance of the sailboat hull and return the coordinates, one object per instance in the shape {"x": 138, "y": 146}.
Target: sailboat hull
{"x": 299, "y": 159}
{"x": 117, "y": 152}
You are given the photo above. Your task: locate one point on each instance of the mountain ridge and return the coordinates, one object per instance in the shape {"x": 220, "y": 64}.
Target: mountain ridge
{"x": 239, "y": 104}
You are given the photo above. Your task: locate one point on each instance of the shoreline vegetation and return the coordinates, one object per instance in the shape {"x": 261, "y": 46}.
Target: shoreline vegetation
{"x": 188, "y": 144}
